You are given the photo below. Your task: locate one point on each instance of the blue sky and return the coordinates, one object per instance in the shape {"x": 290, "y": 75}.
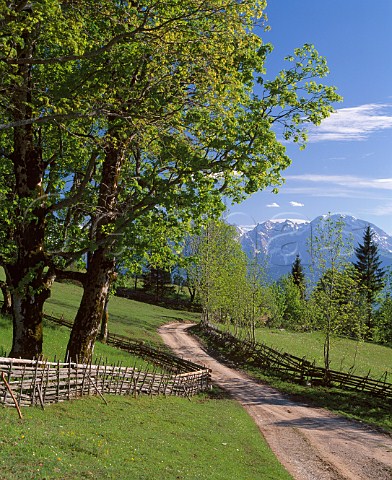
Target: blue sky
{"x": 347, "y": 165}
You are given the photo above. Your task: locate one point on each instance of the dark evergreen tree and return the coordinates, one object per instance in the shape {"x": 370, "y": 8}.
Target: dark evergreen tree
{"x": 298, "y": 275}
{"x": 157, "y": 281}
{"x": 368, "y": 265}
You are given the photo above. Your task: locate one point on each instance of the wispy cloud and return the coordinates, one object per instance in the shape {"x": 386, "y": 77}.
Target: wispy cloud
{"x": 381, "y": 210}
{"x": 297, "y": 204}
{"x": 273, "y": 205}
{"x": 353, "y": 124}
{"x": 350, "y": 181}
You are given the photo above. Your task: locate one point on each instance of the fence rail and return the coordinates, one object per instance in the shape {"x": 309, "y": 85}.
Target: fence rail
{"x": 169, "y": 362}
{"x": 38, "y": 382}
{"x": 296, "y": 368}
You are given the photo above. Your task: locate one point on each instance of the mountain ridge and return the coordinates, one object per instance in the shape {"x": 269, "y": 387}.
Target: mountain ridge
{"x": 276, "y": 242}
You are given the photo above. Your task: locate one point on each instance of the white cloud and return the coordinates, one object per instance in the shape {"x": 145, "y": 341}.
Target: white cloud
{"x": 350, "y": 181}
{"x": 384, "y": 209}
{"x": 353, "y": 124}
{"x": 273, "y": 205}
{"x": 297, "y": 204}
{"x": 332, "y": 191}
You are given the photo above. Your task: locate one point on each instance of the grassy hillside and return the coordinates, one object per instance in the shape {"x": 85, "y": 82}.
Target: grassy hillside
{"x": 143, "y": 438}
{"x": 345, "y": 353}
{"x": 139, "y": 438}
{"x": 134, "y": 319}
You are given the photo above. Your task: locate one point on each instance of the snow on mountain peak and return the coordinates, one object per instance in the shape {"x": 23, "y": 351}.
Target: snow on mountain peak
{"x": 281, "y": 239}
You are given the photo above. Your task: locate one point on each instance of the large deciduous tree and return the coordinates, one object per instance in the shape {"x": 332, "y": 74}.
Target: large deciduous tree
{"x": 113, "y": 110}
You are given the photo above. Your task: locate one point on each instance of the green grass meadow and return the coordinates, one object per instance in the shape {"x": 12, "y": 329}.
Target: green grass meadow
{"x": 209, "y": 437}
{"x": 345, "y": 353}
{"x": 133, "y": 319}
{"x": 143, "y": 438}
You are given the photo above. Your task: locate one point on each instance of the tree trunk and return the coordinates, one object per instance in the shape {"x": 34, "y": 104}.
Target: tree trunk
{"x": 88, "y": 318}
{"x": 101, "y": 265}
{"x": 27, "y": 325}
{"x": 7, "y": 304}
{"x": 103, "y": 335}
{"x": 192, "y": 293}
{"x": 26, "y": 272}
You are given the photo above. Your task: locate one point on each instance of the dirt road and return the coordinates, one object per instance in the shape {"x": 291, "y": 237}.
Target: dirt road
{"x": 312, "y": 443}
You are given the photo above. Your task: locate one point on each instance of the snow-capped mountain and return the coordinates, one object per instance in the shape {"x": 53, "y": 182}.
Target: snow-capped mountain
{"x": 277, "y": 242}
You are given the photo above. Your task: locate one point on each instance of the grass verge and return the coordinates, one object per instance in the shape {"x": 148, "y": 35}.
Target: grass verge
{"x": 345, "y": 352}
{"x": 354, "y": 405}
{"x": 142, "y": 438}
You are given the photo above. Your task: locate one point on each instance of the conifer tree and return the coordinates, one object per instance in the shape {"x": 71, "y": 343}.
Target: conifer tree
{"x": 298, "y": 275}
{"x": 368, "y": 265}
{"x": 157, "y": 281}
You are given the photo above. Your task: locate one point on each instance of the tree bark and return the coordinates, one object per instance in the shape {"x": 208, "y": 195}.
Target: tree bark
{"x": 7, "y": 305}
{"x": 26, "y": 274}
{"x": 103, "y": 334}
{"x": 88, "y": 318}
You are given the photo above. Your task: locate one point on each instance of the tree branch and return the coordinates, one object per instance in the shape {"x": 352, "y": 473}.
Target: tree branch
{"x": 67, "y": 202}
{"x": 70, "y": 275}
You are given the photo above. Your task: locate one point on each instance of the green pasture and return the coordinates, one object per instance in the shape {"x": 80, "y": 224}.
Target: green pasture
{"x": 209, "y": 437}
{"x": 346, "y": 354}
{"x": 143, "y": 438}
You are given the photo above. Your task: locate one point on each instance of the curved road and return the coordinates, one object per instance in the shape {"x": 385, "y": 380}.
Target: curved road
{"x": 312, "y": 443}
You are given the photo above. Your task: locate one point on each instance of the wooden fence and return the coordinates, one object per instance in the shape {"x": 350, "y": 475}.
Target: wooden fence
{"x": 38, "y": 382}
{"x": 295, "y": 368}
{"x": 157, "y": 356}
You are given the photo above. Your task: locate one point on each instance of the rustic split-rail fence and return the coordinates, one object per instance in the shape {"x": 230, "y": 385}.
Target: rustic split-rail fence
{"x": 295, "y": 368}
{"x": 40, "y": 382}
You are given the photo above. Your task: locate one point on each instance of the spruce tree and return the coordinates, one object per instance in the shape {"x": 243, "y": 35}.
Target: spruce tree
{"x": 368, "y": 265}
{"x": 298, "y": 275}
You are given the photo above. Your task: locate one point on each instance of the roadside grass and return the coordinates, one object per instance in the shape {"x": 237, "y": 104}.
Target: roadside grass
{"x": 363, "y": 357}
{"x": 351, "y": 404}
{"x": 355, "y": 405}
{"x": 138, "y": 438}
{"x": 345, "y": 354}
{"x": 135, "y": 438}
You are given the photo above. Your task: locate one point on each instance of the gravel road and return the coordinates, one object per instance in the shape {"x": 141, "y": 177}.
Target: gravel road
{"x": 312, "y": 443}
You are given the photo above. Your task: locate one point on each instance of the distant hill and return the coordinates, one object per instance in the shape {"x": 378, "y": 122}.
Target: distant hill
{"x": 277, "y": 242}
